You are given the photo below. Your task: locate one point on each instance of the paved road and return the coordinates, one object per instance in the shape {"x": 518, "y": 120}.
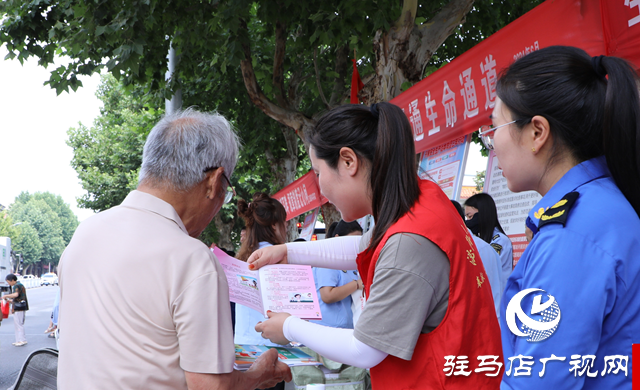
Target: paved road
{"x": 37, "y": 320}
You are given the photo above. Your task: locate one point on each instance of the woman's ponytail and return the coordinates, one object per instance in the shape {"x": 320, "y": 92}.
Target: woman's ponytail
{"x": 621, "y": 127}
{"x": 394, "y": 174}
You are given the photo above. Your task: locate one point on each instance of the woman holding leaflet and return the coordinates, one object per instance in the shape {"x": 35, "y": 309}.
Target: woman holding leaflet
{"x": 428, "y": 299}
{"x": 568, "y": 126}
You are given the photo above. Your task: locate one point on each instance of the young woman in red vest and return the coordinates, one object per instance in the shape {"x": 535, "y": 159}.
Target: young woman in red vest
{"x": 429, "y": 321}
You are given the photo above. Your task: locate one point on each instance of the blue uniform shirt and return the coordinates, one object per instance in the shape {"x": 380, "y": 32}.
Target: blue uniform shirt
{"x": 591, "y": 267}
{"x": 337, "y": 314}
{"x": 502, "y": 245}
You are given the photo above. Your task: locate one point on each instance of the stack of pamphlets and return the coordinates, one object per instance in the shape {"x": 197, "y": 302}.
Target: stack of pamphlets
{"x": 247, "y": 354}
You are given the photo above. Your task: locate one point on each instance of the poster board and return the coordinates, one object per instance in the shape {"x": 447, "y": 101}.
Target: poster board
{"x": 445, "y": 165}
{"x": 309, "y": 225}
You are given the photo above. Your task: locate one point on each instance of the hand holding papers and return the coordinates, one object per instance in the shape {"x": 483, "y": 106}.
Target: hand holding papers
{"x": 277, "y": 288}
{"x": 276, "y": 254}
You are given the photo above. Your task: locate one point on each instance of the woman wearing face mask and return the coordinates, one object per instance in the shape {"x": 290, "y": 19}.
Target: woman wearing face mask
{"x": 482, "y": 220}
{"x": 568, "y": 126}
{"x": 428, "y": 299}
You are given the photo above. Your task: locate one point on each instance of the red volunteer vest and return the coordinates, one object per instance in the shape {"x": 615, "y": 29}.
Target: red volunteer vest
{"x": 469, "y": 328}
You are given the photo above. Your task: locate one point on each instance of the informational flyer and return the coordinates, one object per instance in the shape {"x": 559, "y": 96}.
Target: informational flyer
{"x": 445, "y": 165}
{"x": 512, "y": 207}
{"x": 280, "y": 287}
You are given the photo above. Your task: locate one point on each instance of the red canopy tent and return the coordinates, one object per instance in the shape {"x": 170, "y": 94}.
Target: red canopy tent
{"x": 458, "y": 98}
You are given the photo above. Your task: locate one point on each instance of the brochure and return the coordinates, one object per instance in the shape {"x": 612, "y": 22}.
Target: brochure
{"x": 247, "y": 354}
{"x": 280, "y": 287}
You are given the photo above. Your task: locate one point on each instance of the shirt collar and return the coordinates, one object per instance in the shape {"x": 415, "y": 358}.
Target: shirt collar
{"x": 582, "y": 173}
{"x": 145, "y": 201}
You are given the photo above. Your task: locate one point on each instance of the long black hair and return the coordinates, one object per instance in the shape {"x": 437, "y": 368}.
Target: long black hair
{"x": 382, "y": 137}
{"x": 592, "y": 106}
{"x": 487, "y": 215}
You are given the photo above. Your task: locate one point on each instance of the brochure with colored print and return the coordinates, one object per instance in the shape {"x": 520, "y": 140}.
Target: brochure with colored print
{"x": 247, "y": 354}
{"x": 280, "y": 287}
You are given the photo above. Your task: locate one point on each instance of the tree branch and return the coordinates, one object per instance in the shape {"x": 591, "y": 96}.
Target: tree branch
{"x": 428, "y": 37}
{"x": 341, "y": 68}
{"x": 407, "y": 18}
{"x": 315, "y": 66}
{"x": 278, "y": 64}
{"x": 291, "y": 118}
{"x": 296, "y": 79}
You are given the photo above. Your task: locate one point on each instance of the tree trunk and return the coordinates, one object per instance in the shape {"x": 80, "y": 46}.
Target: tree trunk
{"x": 330, "y": 214}
{"x": 403, "y": 52}
{"x": 224, "y": 228}
{"x": 401, "y": 55}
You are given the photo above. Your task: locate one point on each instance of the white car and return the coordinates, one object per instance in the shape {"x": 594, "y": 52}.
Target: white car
{"x": 49, "y": 279}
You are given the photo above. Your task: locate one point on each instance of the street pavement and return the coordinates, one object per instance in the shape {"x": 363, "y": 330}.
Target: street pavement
{"x": 37, "y": 321}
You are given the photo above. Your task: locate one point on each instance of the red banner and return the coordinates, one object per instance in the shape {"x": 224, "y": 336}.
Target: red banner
{"x": 458, "y": 98}
{"x": 301, "y": 196}
{"x": 621, "y": 23}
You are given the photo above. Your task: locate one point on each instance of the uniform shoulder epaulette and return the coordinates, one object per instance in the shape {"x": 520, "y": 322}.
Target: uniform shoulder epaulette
{"x": 559, "y": 212}
{"x": 495, "y": 237}
{"x": 497, "y": 247}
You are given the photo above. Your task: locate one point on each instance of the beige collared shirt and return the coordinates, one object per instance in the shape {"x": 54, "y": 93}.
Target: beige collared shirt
{"x": 141, "y": 302}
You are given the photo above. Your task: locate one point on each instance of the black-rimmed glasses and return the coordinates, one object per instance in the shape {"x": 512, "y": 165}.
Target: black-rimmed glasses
{"x": 231, "y": 192}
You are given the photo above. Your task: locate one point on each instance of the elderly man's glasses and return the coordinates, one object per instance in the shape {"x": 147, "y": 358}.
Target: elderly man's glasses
{"x": 230, "y": 191}
{"x": 487, "y": 132}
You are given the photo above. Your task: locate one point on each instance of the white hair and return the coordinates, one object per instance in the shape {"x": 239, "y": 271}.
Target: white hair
{"x": 183, "y": 145}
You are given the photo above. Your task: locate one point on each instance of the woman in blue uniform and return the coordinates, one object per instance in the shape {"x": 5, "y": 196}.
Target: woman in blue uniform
{"x": 568, "y": 126}
{"x": 482, "y": 220}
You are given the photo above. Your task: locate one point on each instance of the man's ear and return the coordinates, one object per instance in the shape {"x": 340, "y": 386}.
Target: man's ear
{"x": 211, "y": 182}
{"x": 349, "y": 161}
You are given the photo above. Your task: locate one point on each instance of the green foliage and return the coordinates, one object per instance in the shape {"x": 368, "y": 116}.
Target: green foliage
{"x": 6, "y": 228}
{"x": 107, "y": 156}
{"x": 28, "y": 244}
{"x": 479, "y": 180}
{"x": 68, "y": 220}
{"x": 45, "y": 226}
{"x": 36, "y": 214}
{"x": 131, "y": 38}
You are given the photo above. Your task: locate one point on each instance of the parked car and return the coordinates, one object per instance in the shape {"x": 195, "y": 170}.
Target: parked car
{"x": 49, "y": 279}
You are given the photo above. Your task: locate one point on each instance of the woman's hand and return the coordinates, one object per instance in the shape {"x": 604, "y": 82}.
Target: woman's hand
{"x": 272, "y": 328}
{"x": 276, "y": 254}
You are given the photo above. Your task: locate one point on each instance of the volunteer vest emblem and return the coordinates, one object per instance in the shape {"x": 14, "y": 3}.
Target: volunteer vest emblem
{"x": 536, "y": 330}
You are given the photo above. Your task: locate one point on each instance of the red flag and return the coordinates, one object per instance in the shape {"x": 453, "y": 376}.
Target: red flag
{"x": 356, "y": 84}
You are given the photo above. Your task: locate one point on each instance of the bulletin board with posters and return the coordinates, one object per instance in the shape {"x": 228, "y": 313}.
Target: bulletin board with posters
{"x": 445, "y": 165}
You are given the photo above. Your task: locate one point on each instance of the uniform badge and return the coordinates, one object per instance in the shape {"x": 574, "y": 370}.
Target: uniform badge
{"x": 559, "y": 212}
{"x": 497, "y": 247}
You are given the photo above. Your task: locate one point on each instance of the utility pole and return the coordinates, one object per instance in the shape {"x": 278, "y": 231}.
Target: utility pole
{"x": 175, "y": 103}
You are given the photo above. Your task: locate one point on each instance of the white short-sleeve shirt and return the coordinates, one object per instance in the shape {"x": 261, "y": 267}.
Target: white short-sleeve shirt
{"x": 141, "y": 302}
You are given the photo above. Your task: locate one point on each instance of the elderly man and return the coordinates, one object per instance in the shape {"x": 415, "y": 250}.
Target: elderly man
{"x": 144, "y": 304}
